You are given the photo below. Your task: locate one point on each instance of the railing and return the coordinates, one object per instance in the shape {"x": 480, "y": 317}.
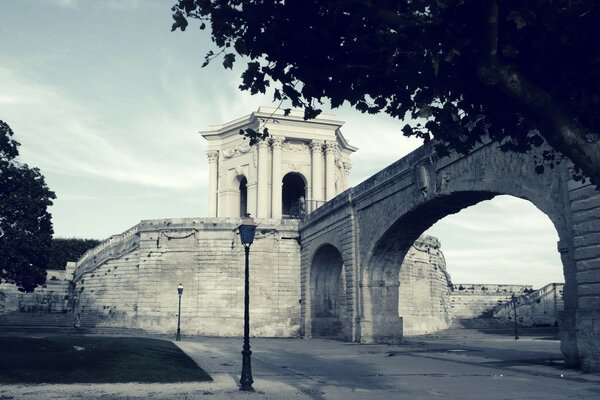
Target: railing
{"x": 301, "y": 208}
{"x": 312, "y": 205}
{"x": 532, "y": 297}
{"x": 112, "y": 247}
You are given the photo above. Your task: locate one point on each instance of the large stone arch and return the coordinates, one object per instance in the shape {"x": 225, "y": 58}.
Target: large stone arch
{"x": 380, "y": 217}
{"x": 376, "y": 221}
{"x": 440, "y": 188}
{"x": 447, "y": 185}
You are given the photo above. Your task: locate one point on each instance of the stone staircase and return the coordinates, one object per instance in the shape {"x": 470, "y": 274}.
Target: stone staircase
{"x": 35, "y": 322}
{"x": 61, "y": 323}
{"x": 474, "y": 328}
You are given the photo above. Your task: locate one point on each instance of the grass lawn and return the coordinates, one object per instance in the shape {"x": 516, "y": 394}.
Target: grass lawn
{"x": 94, "y": 359}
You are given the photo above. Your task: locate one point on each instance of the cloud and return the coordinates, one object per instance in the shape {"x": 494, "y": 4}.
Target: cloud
{"x": 62, "y": 136}
{"x": 504, "y": 240}
{"x": 62, "y": 3}
{"x": 122, "y": 4}
{"x": 109, "y": 4}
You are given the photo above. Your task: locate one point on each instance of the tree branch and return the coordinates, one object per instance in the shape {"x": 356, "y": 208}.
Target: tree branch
{"x": 562, "y": 132}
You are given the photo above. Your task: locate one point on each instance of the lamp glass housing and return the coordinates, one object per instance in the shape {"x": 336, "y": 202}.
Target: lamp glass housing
{"x": 247, "y": 230}
{"x": 180, "y": 289}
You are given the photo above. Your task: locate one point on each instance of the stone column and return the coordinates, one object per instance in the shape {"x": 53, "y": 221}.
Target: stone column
{"x": 316, "y": 147}
{"x": 330, "y": 150}
{"x": 379, "y": 319}
{"x": 276, "y": 178}
{"x": 346, "y": 175}
{"x": 213, "y": 172}
{"x": 262, "y": 200}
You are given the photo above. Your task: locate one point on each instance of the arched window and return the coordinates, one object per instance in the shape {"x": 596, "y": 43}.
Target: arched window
{"x": 293, "y": 195}
{"x": 243, "y": 196}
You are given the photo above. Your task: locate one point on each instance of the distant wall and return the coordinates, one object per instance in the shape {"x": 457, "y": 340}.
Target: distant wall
{"x": 131, "y": 280}
{"x": 51, "y": 297}
{"x": 539, "y": 308}
{"x": 476, "y": 300}
{"x": 423, "y": 301}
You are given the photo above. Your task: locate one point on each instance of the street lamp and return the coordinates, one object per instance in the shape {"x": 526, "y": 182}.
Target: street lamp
{"x": 180, "y": 292}
{"x": 247, "y": 230}
{"x": 514, "y": 301}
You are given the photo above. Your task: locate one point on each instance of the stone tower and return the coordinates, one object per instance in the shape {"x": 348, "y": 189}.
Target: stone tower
{"x": 299, "y": 167}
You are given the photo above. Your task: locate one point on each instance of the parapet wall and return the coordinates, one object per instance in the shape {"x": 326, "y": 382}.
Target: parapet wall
{"x": 541, "y": 307}
{"x": 111, "y": 248}
{"x": 51, "y": 297}
{"x": 476, "y": 300}
{"x": 131, "y": 280}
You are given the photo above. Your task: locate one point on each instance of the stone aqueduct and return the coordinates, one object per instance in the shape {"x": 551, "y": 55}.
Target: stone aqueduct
{"x": 337, "y": 273}
{"x": 353, "y": 246}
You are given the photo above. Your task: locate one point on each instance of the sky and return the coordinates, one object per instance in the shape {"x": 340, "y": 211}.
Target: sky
{"x": 108, "y": 103}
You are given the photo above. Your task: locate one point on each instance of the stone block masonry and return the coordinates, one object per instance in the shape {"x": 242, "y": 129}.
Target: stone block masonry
{"x": 132, "y": 282}
{"x": 478, "y": 300}
{"x": 385, "y": 214}
{"x": 51, "y": 297}
{"x": 423, "y": 299}
{"x": 585, "y": 206}
{"x": 540, "y": 307}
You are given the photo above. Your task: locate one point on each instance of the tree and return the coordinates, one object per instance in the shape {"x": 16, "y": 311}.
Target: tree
{"x": 25, "y": 223}
{"x": 64, "y": 250}
{"x": 521, "y": 72}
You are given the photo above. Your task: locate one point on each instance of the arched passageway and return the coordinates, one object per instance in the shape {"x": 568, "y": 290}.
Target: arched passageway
{"x": 293, "y": 195}
{"x": 389, "y": 251}
{"x": 377, "y": 221}
{"x": 328, "y": 293}
{"x": 485, "y": 253}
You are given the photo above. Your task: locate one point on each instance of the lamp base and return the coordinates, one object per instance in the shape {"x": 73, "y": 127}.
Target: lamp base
{"x": 246, "y": 380}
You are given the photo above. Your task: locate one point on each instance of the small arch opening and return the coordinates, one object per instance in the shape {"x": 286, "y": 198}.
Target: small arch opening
{"x": 293, "y": 195}
{"x": 328, "y": 293}
{"x": 243, "y": 196}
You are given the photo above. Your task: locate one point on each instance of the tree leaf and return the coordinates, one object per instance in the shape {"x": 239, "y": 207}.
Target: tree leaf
{"x": 228, "y": 60}
{"x": 517, "y": 18}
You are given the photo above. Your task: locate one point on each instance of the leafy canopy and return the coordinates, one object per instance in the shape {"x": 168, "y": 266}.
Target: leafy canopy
{"x": 520, "y": 72}
{"x": 25, "y": 223}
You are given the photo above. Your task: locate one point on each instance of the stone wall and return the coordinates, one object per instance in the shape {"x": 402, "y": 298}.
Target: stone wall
{"x": 423, "y": 300}
{"x": 541, "y": 307}
{"x": 51, "y": 297}
{"x": 131, "y": 281}
{"x": 585, "y": 207}
{"x": 475, "y": 300}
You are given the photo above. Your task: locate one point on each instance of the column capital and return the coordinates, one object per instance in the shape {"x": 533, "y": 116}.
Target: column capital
{"x": 262, "y": 143}
{"x": 330, "y": 147}
{"x": 316, "y": 145}
{"x": 277, "y": 141}
{"x": 213, "y": 155}
{"x": 346, "y": 166}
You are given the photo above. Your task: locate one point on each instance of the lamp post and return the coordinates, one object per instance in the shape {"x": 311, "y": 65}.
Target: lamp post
{"x": 514, "y": 301}
{"x": 180, "y": 292}
{"x": 247, "y": 230}
{"x": 555, "y": 304}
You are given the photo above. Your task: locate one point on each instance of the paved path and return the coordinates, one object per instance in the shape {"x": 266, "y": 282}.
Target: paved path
{"x": 457, "y": 365}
